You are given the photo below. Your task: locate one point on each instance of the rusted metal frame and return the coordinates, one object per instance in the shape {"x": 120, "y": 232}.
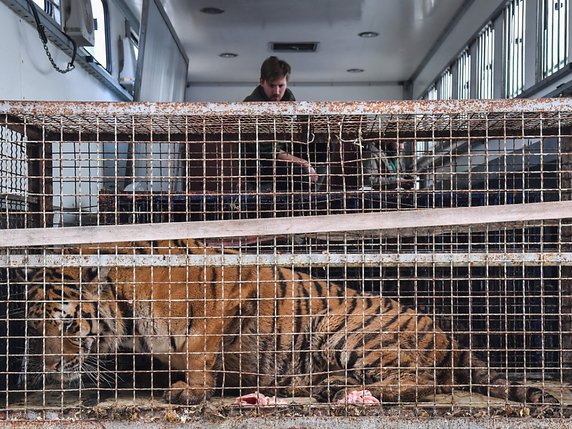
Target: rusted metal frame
{"x": 455, "y": 124}
{"x": 435, "y": 117}
{"x": 395, "y": 107}
{"x": 300, "y": 135}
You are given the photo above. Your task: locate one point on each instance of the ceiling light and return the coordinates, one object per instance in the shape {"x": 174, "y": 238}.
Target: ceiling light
{"x": 212, "y": 10}
{"x": 368, "y": 34}
{"x": 355, "y": 70}
{"x": 228, "y": 55}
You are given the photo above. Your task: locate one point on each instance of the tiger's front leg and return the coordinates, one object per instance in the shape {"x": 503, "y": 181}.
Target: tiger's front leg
{"x": 198, "y": 363}
{"x": 196, "y": 344}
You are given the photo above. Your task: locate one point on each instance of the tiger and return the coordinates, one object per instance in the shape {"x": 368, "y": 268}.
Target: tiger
{"x": 237, "y": 327}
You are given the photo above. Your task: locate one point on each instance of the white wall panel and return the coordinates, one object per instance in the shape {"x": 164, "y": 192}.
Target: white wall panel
{"x": 27, "y": 74}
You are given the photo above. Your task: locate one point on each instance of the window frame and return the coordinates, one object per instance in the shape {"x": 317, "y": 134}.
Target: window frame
{"x": 49, "y": 7}
{"x": 108, "y": 66}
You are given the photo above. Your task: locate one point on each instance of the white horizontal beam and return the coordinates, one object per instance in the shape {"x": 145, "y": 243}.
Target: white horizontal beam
{"x": 389, "y": 222}
{"x": 294, "y": 260}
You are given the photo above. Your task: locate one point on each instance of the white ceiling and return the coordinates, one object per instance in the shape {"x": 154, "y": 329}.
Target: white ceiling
{"x": 408, "y": 29}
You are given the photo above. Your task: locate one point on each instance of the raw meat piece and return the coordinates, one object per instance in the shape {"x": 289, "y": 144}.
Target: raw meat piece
{"x": 259, "y": 399}
{"x": 359, "y": 397}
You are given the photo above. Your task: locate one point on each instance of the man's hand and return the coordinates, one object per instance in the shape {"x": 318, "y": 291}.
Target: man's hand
{"x": 311, "y": 172}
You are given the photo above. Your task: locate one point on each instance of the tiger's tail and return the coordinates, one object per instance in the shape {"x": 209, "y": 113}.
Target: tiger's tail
{"x": 475, "y": 372}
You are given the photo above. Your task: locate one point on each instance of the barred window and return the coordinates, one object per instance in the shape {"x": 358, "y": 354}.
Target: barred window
{"x": 514, "y": 49}
{"x": 464, "y": 75}
{"x": 431, "y": 93}
{"x": 554, "y": 36}
{"x": 485, "y": 62}
{"x": 445, "y": 86}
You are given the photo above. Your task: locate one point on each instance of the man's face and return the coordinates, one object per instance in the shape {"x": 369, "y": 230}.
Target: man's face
{"x": 275, "y": 89}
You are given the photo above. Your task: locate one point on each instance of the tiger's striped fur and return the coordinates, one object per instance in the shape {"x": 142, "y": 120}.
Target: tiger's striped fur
{"x": 248, "y": 326}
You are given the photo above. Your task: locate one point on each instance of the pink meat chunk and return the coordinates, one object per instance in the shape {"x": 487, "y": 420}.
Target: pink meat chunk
{"x": 359, "y": 397}
{"x": 259, "y": 399}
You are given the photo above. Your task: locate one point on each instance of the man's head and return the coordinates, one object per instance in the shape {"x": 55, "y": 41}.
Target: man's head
{"x": 274, "y": 75}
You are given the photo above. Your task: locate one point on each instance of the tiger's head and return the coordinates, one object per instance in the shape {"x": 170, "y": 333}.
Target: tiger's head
{"x": 72, "y": 322}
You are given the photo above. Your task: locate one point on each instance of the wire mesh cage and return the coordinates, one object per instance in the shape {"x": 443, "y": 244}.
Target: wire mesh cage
{"x": 387, "y": 258}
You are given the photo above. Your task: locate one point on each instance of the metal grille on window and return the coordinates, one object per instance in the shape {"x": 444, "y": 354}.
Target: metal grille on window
{"x": 432, "y": 93}
{"x": 485, "y": 63}
{"x": 555, "y": 23}
{"x": 446, "y": 86}
{"x": 464, "y": 75}
{"x": 160, "y": 264}
{"x": 514, "y": 30}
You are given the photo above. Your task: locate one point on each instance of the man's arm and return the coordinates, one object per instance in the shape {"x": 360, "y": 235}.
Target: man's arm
{"x": 285, "y": 156}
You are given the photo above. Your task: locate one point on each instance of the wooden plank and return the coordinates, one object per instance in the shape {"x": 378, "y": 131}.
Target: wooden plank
{"x": 390, "y": 221}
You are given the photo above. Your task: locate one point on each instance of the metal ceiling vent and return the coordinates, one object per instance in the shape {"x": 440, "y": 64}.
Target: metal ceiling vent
{"x": 294, "y": 46}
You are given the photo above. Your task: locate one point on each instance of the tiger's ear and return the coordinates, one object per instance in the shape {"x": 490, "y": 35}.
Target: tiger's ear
{"x": 91, "y": 273}
{"x": 22, "y": 274}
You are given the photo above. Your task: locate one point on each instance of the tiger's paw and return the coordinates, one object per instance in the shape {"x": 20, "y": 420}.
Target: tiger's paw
{"x": 538, "y": 396}
{"x": 324, "y": 393}
{"x": 330, "y": 390}
{"x": 181, "y": 393}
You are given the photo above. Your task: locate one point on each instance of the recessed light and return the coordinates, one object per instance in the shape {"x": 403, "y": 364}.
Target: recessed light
{"x": 228, "y": 55}
{"x": 212, "y": 10}
{"x": 368, "y": 34}
{"x": 355, "y": 70}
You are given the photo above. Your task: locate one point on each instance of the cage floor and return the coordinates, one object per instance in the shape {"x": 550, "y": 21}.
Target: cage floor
{"x": 147, "y": 406}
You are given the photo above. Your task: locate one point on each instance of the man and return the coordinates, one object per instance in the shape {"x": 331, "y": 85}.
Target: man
{"x": 274, "y": 75}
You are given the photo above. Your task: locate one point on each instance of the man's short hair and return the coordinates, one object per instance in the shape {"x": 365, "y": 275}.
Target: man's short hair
{"x": 274, "y": 68}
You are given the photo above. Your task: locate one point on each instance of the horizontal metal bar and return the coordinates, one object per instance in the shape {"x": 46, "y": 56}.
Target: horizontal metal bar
{"x": 297, "y": 260}
{"x": 392, "y": 107}
{"x": 385, "y": 222}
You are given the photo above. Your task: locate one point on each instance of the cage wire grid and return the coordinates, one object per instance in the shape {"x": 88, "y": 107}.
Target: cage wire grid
{"x": 426, "y": 267}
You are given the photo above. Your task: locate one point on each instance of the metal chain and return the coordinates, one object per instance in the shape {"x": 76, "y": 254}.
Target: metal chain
{"x": 69, "y": 67}
{"x": 44, "y": 39}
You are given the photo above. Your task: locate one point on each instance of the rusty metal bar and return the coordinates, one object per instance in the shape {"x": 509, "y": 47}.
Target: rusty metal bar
{"x": 229, "y": 109}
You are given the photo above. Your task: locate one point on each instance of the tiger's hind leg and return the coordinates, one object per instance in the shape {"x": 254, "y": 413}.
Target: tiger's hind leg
{"x": 395, "y": 386}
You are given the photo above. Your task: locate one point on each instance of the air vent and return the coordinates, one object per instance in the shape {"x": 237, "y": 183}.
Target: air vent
{"x": 294, "y": 46}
